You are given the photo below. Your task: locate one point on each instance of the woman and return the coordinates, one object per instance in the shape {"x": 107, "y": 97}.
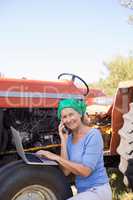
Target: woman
{"x": 81, "y": 152}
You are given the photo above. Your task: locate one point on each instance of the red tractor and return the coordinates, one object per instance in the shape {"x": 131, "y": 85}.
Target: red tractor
{"x": 30, "y": 107}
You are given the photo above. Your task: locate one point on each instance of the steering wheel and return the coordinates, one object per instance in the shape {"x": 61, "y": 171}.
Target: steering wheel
{"x": 73, "y": 77}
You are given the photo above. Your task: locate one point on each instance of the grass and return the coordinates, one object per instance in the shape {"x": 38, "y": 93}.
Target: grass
{"x": 120, "y": 192}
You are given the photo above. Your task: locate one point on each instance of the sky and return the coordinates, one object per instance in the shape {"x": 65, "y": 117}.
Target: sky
{"x": 39, "y": 39}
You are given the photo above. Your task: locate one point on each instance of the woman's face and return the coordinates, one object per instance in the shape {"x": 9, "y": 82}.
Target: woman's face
{"x": 71, "y": 118}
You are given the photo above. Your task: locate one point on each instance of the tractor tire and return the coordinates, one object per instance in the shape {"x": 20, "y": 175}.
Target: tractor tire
{"x": 19, "y": 181}
{"x": 125, "y": 148}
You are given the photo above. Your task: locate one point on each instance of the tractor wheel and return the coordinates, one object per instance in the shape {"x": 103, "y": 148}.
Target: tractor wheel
{"x": 125, "y": 148}
{"x": 19, "y": 181}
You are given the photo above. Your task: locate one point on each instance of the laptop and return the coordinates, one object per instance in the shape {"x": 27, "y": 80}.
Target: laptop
{"x": 29, "y": 158}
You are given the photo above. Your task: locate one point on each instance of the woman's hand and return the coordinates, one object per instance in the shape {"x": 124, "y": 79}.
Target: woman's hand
{"x": 48, "y": 154}
{"x": 63, "y": 132}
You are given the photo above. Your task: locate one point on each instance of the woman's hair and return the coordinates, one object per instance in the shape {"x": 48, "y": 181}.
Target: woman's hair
{"x": 85, "y": 120}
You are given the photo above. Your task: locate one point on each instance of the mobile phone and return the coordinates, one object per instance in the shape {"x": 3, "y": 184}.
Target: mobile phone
{"x": 66, "y": 130}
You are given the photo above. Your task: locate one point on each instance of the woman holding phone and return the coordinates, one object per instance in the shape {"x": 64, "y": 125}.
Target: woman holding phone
{"x": 81, "y": 152}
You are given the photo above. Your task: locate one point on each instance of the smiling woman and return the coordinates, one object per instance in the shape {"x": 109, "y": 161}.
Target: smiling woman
{"x": 81, "y": 152}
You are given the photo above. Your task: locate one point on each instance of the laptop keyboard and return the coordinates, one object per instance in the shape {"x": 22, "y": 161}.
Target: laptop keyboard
{"x": 33, "y": 158}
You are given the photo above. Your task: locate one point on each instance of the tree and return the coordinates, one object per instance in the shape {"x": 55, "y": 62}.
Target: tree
{"x": 120, "y": 69}
{"x": 128, "y": 4}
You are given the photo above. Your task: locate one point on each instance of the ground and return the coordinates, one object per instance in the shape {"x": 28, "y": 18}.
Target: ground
{"x": 120, "y": 192}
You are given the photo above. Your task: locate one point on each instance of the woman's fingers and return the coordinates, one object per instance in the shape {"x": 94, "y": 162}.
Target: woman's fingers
{"x": 61, "y": 126}
{"x": 40, "y": 153}
{"x": 47, "y": 154}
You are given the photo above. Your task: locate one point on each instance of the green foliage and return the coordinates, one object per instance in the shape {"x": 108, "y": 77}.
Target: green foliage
{"x": 119, "y": 191}
{"x": 120, "y": 69}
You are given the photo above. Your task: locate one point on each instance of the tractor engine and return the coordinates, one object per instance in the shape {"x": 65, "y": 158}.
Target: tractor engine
{"x": 37, "y": 126}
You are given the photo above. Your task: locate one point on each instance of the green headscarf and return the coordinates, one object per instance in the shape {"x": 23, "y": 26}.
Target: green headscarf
{"x": 77, "y": 105}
